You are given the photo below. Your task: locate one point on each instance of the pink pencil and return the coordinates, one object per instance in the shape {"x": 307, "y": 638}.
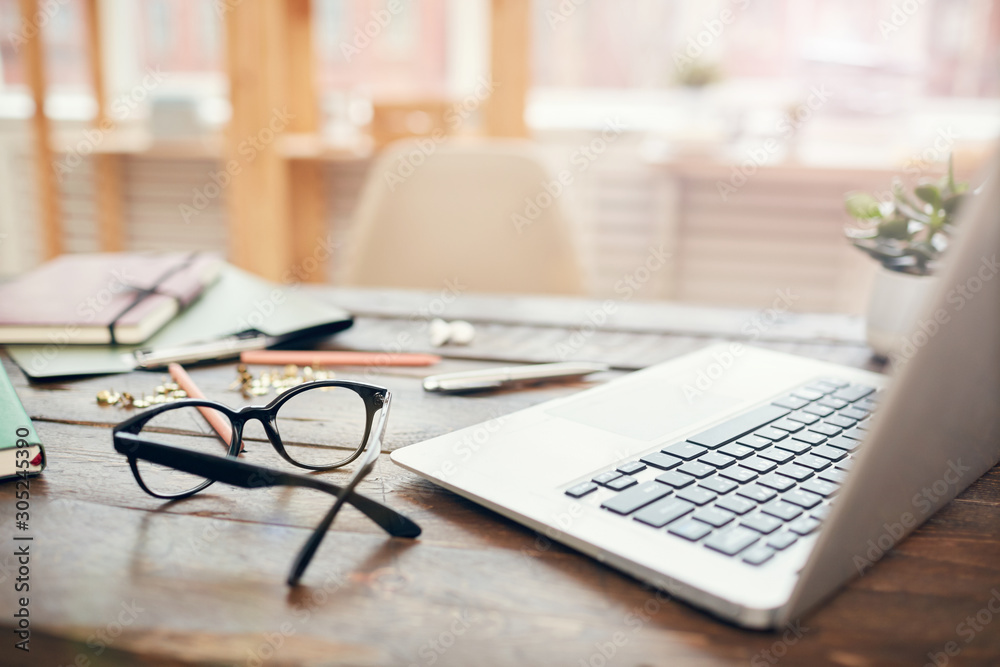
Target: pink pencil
{"x": 336, "y": 358}
{"x": 218, "y": 423}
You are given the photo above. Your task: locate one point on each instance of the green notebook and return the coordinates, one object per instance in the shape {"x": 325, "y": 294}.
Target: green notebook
{"x": 17, "y": 434}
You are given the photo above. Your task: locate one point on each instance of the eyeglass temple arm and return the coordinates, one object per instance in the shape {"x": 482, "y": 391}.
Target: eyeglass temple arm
{"x": 247, "y": 475}
{"x": 308, "y": 549}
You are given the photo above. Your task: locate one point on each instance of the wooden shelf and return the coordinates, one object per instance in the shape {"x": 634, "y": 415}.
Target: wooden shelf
{"x": 296, "y": 146}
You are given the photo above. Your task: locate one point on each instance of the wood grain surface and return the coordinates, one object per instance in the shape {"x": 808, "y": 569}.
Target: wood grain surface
{"x": 119, "y": 578}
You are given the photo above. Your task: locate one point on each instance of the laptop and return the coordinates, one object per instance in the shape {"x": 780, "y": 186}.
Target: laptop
{"x": 750, "y": 483}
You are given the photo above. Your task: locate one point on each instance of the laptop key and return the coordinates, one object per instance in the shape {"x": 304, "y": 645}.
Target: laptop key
{"x": 757, "y": 555}
{"x": 775, "y": 454}
{"x": 661, "y": 460}
{"x": 835, "y": 382}
{"x": 718, "y": 484}
{"x": 713, "y": 516}
{"x": 629, "y": 501}
{"x": 663, "y": 512}
{"x": 803, "y": 499}
{"x": 771, "y": 433}
{"x": 631, "y": 468}
{"x": 620, "y": 483}
{"x": 684, "y": 450}
{"x": 828, "y": 452}
{"x": 758, "y": 465}
{"x": 803, "y": 417}
{"x": 696, "y": 469}
{"x": 829, "y": 430}
{"x": 690, "y": 529}
{"x": 854, "y": 413}
{"x": 821, "y": 513}
{"x": 808, "y": 394}
{"x": 788, "y": 425}
{"x": 775, "y": 481}
{"x": 803, "y": 525}
{"x": 781, "y": 509}
{"x": 735, "y": 504}
{"x": 762, "y": 523}
{"x": 835, "y": 476}
{"x": 736, "y": 451}
{"x": 840, "y": 421}
{"x": 696, "y": 495}
{"x": 754, "y": 441}
{"x": 738, "y": 426}
{"x": 606, "y": 477}
{"x": 732, "y": 541}
{"x": 811, "y": 437}
{"x": 757, "y": 492}
{"x": 818, "y": 410}
{"x": 853, "y": 393}
{"x": 866, "y": 404}
{"x": 835, "y": 403}
{"x": 820, "y": 487}
{"x": 796, "y": 472}
{"x": 822, "y": 388}
{"x": 782, "y": 540}
{"x": 846, "y": 464}
{"x": 718, "y": 460}
{"x": 737, "y": 474}
{"x": 794, "y": 446}
{"x": 856, "y": 433}
{"x": 791, "y": 402}
{"x": 581, "y": 489}
{"x": 812, "y": 462}
{"x": 675, "y": 479}
{"x": 845, "y": 443}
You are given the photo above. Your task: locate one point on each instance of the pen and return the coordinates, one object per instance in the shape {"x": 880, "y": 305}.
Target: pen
{"x": 499, "y": 377}
{"x": 218, "y": 423}
{"x": 336, "y": 358}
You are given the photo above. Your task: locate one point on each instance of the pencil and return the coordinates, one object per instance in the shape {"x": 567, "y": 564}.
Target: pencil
{"x": 215, "y": 419}
{"x": 336, "y": 358}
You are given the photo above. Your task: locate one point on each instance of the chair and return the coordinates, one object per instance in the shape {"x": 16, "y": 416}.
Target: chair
{"x": 484, "y": 215}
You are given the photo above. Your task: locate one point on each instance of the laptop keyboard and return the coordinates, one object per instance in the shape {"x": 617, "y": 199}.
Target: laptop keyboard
{"x": 753, "y": 485}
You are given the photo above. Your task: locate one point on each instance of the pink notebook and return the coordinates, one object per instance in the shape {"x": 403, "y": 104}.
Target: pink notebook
{"x": 121, "y": 298}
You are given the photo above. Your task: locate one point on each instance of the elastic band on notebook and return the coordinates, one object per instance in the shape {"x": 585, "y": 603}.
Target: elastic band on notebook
{"x": 143, "y": 293}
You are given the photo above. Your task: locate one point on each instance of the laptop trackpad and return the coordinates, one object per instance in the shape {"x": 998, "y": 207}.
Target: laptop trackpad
{"x": 646, "y": 410}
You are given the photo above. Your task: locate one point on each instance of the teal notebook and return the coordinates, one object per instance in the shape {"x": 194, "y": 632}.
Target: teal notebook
{"x": 20, "y": 449}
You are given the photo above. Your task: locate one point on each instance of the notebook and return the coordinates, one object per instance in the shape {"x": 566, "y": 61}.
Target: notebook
{"x": 17, "y": 434}
{"x": 119, "y": 298}
{"x": 238, "y": 303}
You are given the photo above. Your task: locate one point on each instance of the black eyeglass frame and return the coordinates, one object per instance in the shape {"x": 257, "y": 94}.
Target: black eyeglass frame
{"x": 375, "y": 398}
{"x": 229, "y": 470}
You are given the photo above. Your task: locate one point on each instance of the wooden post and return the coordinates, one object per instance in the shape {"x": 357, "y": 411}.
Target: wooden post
{"x": 257, "y": 197}
{"x": 107, "y": 166}
{"x": 310, "y": 256}
{"x": 510, "y": 65}
{"x": 45, "y": 177}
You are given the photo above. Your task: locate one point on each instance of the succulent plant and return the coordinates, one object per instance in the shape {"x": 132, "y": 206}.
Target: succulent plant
{"x": 910, "y": 232}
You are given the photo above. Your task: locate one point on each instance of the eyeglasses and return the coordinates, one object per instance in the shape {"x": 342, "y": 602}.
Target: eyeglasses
{"x": 318, "y": 426}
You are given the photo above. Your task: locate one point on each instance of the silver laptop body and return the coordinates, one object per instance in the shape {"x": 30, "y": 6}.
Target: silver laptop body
{"x": 936, "y": 430}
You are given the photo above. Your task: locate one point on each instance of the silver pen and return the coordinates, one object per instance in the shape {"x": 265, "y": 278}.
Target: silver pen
{"x": 494, "y": 378}
{"x": 224, "y": 348}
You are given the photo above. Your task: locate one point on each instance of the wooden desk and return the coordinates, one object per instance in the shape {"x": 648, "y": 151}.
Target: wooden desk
{"x": 203, "y": 580}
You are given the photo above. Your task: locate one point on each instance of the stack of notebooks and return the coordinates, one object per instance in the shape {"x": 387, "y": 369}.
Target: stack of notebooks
{"x": 113, "y": 313}
{"x": 89, "y": 314}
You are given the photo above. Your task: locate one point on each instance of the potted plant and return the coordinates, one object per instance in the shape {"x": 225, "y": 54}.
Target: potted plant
{"x": 907, "y": 233}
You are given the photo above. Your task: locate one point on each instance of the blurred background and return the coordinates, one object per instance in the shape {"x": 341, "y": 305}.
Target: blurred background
{"x": 723, "y": 133}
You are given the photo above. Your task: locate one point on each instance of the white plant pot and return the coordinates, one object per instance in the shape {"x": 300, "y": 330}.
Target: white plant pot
{"x": 896, "y": 301}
